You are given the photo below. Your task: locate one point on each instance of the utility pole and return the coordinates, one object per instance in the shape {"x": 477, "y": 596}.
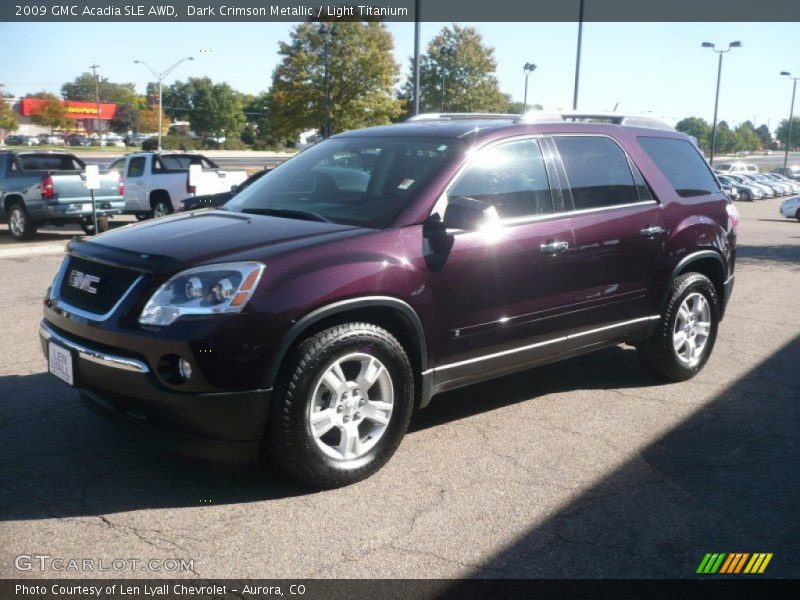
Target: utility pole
{"x": 94, "y": 68}
{"x": 578, "y": 57}
{"x": 416, "y": 57}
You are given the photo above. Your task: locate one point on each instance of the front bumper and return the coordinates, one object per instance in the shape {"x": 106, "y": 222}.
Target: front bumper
{"x": 225, "y": 426}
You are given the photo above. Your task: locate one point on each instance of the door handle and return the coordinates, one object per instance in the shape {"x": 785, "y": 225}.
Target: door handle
{"x": 652, "y": 231}
{"x": 554, "y": 247}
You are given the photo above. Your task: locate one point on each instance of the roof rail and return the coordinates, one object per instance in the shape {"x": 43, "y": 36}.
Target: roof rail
{"x": 460, "y": 116}
{"x": 540, "y": 116}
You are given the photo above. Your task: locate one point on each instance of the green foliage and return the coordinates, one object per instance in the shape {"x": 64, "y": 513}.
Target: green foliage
{"x": 8, "y": 120}
{"x": 362, "y": 72}
{"x": 173, "y": 142}
{"x": 517, "y": 108}
{"x": 52, "y": 114}
{"x": 783, "y": 131}
{"x": 457, "y": 74}
{"x": 83, "y": 88}
{"x": 218, "y": 110}
{"x": 697, "y": 128}
{"x": 126, "y": 118}
{"x": 178, "y": 100}
{"x": 765, "y": 136}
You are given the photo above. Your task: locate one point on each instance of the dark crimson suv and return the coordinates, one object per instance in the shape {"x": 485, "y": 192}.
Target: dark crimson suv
{"x": 315, "y": 311}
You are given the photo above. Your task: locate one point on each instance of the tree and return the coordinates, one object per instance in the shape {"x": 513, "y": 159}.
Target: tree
{"x": 747, "y": 139}
{"x": 362, "y": 73}
{"x": 126, "y": 118}
{"x": 52, "y": 113}
{"x": 218, "y": 110}
{"x": 8, "y": 120}
{"x": 148, "y": 121}
{"x": 783, "y": 130}
{"x": 517, "y": 108}
{"x": 765, "y": 136}
{"x": 178, "y": 100}
{"x": 727, "y": 141}
{"x": 82, "y": 88}
{"x": 697, "y": 128}
{"x": 457, "y": 74}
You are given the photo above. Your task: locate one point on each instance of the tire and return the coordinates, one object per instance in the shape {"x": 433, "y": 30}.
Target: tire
{"x": 745, "y": 196}
{"x": 797, "y": 214}
{"x": 161, "y": 207}
{"x": 313, "y": 386}
{"x": 663, "y": 355}
{"x": 88, "y": 226}
{"x": 141, "y": 217}
{"x": 20, "y": 225}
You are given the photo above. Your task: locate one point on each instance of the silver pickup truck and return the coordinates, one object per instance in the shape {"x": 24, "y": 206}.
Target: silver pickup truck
{"x": 38, "y": 188}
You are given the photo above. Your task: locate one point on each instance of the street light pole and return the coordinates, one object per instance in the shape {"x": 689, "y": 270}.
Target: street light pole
{"x": 416, "y": 55}
{"x": 327, "y": 31}
{"x": 160, "y": 78}
{"x": 528, "y": 68}
{"x": 94, "y": 68}
{"x": 578, "y": 57}
{"x": 791, "y": 117}
{"x": 716, "y": 98}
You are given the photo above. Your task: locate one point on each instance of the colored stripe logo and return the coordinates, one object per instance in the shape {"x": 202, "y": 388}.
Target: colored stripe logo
{"x": 734, "y": 563}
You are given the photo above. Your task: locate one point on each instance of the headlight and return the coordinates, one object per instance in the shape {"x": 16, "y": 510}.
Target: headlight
{"x": 208, "y": 290}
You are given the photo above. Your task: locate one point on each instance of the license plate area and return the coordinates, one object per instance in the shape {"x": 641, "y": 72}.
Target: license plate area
{"x": 61, "y": 362}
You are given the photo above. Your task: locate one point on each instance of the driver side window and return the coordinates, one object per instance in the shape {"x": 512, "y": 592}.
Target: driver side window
{"x": 511, "y": 177}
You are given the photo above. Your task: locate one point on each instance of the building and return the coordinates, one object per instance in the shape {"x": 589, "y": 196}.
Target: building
{"x": 84, "y": 114}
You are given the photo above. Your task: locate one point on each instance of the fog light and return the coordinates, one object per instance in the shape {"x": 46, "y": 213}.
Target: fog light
{"x": 185, "y": 369}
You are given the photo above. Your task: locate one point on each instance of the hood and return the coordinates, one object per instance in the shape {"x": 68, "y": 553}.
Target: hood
{"x": 207, "y": 236}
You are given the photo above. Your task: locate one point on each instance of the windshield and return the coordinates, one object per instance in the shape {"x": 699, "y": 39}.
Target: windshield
{"x": 363, "y": 181}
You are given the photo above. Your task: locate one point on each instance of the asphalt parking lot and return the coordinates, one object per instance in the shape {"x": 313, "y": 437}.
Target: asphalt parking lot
{"x": 587, "y": 468}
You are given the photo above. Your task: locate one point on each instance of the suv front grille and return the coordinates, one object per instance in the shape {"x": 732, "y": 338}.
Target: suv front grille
{"x": 92, "y": 286}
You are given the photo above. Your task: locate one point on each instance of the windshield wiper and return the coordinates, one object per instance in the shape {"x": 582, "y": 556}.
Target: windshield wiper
{"x": 287, "y": 212}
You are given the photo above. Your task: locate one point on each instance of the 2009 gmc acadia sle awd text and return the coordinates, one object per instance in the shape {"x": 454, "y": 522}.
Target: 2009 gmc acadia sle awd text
{"x": 310, "y": 316}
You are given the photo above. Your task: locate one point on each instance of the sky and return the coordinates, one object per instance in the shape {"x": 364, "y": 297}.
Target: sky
{"x": 653, "y": 68}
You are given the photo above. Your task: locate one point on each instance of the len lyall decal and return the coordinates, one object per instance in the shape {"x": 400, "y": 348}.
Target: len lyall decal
{"x": 723, "y": 563}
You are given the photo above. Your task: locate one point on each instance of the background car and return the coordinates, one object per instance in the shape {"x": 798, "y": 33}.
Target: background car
{"x": 215, "y": 200}
{"x": 792, "y": 172}
{"x": 791, "y": 208}
{"x": 792, "y": 187}
{"x": 79, "y": 140}
{"x": 766, "y": 192}
{"x": 747, "y": 193}
{"x": 21, "y": 140}
{"x": 781, "y": 189}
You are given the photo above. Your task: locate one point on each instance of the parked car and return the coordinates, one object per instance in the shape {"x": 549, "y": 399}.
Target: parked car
{"x": 155, "y": 183}
{"x": 136, "y": 139}
{"x": 778, "y": 189}
{"x": 309, "y": 320}
{"x": 736, "y": 167}
{"x": 79, "y": 140}
{"x": 217, "y": 200}
{"x": 794, "y": 185}
{"x": 745, "y": 191}
{"x": 787, "y": 187}
{"x": 21, "y": 140}
{"x": 51, "y": 139}
{"x": 741, "y": 177}
{"x": 38, "y": 188}
{"x": 792, "y": 172}
{"x": 791, "y": 208}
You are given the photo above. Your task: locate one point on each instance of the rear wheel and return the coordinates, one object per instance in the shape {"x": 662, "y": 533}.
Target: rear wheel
{"x": 88, "y": 226}
{"x": 20, "y": 225}
{"x": 141, "y": 217}
{"x": 685, "y": 336}
{"x": 745, "y": 196}
{"x": 161, "y": 207}
{"x": 797, "y": 214}
{"x": 343, "y": 407}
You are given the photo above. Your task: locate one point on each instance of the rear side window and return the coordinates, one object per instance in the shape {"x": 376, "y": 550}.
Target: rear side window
{"x": 597, "y": 170}
{"x": 49, "y": 162}
{"x": 136, "y": 167}
{"x": 682, "y": 165}
{"x": 511, "y": 177}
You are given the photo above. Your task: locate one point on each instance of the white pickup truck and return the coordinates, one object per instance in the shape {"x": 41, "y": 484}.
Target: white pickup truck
{"x": 155, "y": 183}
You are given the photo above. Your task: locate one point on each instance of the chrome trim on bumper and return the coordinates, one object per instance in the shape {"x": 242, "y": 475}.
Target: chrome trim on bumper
{"x": 95, "y": 356}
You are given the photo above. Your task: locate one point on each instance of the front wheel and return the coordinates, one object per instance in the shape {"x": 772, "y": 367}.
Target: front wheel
{"x": 745, "y": 196}
{"x": 685, "y": 336}
{"x": 797, "y": 214}
{"x": 343, "y": 407}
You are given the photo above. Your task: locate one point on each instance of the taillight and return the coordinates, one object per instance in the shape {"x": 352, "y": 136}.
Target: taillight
{"x": 190, "y": 189}
{"x": 48, "y": 193}
{"x": 733, "y": 215}
{"x": 121, "y": 186}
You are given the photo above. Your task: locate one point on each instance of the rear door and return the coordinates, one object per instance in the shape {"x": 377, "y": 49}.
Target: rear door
{"x": 502, "y": 294}
{"x": 136, "y": 196}
{"x": 619, "y": 240}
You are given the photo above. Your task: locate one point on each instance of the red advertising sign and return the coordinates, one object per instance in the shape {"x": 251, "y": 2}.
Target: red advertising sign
{"x": 75, "y": 109}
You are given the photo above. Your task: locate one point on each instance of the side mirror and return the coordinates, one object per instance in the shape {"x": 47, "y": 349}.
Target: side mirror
{"x": 469, "y": 214}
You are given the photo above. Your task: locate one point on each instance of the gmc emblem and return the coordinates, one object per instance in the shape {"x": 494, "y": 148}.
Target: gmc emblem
{"x": 83, "y": 281}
